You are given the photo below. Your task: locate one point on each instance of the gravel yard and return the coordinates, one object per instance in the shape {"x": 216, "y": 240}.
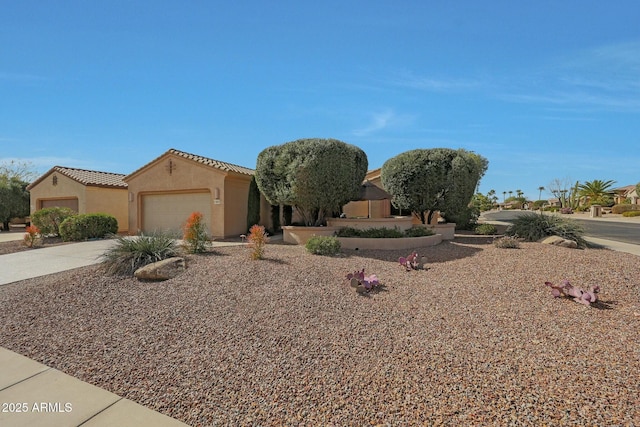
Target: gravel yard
{"x": 474, "y": 339}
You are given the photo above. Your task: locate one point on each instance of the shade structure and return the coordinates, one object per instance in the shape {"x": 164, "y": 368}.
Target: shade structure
{"x": 369, "y": 191}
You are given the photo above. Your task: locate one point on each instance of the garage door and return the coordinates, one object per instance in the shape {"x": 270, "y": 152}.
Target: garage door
{"x": 71, "y": 203}
{"x": 169, "y": 212}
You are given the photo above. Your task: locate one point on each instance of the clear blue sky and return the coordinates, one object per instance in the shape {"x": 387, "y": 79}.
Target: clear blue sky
{"x": 544, "y": 90}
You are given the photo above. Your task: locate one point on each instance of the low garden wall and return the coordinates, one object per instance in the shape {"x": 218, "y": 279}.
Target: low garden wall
{"x": 299, "y": 235}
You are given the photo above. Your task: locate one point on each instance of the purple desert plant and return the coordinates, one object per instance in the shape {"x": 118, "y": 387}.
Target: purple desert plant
{"x": 361, "y": 281}
{"x": 578, "y": 294}
{"x": 412, "y": 262}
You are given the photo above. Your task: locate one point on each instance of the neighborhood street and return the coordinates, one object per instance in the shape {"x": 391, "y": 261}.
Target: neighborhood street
{"x": 618, "y": 228}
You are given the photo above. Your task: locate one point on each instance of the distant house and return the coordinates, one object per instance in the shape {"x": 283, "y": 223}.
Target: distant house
{"x": 554, "y": 202}
{"x": 164, "y": 192}
{"x": 84, "y": 191}
{"x": 628, "y": 192}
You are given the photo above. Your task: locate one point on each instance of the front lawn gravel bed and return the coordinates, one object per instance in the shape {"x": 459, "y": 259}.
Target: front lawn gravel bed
{"x": 475, "y": 339}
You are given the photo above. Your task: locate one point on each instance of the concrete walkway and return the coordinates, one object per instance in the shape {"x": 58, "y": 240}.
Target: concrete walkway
{"x": 32, "y": 394}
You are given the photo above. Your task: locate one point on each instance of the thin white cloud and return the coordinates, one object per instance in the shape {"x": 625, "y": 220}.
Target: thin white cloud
{"x": 432, "y": 84}
{"x": 383, "y": 120}
{"x": 601, "y": 78}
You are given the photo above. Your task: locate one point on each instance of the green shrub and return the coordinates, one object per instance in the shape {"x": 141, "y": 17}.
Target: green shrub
{"x": 88, "y": 226}
{"x": 629, "y": 214}
{"x": 323, "y": 245}
{"x": 418, "y": 232}
{"x": 383, "y": 232}
{"x": 619, "y": 209}
{"x": 507, "y": 242}
{"x": 533, "y": 227}
{"x": 48, "y": 220}
{"x": 348, "y": 232}
{"x": 486, "y": 229}
{"x": 130, "y": 253}
{"x": 370, "y": 233}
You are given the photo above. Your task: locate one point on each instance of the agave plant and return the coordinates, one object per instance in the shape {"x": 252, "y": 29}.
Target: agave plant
{"x": 412, "y": 262}
{"x": 362, "y": 282}
{"x": 578, "y": 294}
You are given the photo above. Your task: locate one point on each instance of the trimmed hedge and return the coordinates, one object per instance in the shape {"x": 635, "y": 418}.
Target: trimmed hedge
{"x": 622, "y": 208}
{"x": 48, "y": 220}
{"x": 384, "y": 233}
{"x": 88, "y": 226}
{"x": 630, "y": 214}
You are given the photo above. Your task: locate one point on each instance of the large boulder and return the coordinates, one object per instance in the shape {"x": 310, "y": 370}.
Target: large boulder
{"x": 560, "y": 241}
{"x": 161, "y": 270}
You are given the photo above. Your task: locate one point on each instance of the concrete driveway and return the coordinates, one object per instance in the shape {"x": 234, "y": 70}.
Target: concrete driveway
{"x": 43, "y": 261}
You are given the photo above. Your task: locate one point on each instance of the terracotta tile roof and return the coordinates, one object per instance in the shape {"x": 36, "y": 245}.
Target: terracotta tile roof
{"x": 227, "y": 167}
{"x": 86, "y": 177}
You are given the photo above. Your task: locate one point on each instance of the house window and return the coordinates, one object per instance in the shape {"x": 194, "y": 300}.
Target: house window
{"x": 54, "y": 180}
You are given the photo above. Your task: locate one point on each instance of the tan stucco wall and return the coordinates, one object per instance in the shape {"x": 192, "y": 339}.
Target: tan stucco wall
{"x": 185, "y": 176}
{"x": 66, "y": 188}
{"x": 235, "y": 200}
{"x": 112, "y": 201}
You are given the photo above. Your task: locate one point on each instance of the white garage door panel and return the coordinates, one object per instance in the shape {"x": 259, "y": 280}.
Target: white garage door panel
{"x": 169, "y": 212}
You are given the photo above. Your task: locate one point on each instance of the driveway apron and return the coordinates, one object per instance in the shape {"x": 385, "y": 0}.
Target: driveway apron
{"x": 43, "y": 261}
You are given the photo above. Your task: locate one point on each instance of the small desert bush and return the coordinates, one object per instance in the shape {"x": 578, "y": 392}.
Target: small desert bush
{"x": 257, "y": 241}
{"x": 486, "y": 229}
{"x": 88, "y": 226}
{"x": 48, "y": 220}
{"x": 130, "y": 253}
{"x": 507, "y": 242}
{"x": 195, "y": 236}
{"x": 32, "y": 237}
{"x": 533, "y": 227}
{"x": 630, "y": 214}
{"x": 323, "y": 245}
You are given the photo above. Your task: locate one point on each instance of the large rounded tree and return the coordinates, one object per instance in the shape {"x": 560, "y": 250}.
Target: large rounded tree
{"x": 438, "y": 179}
{"x": 317, "y": 176}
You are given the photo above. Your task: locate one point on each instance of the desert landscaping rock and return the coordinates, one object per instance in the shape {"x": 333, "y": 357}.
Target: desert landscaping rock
{"x": 473, "y": 339}
{"x": 161, "y": 270}
{"x": 559, "y": 241}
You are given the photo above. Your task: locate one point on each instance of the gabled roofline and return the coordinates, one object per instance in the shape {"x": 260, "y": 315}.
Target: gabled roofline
{"x": 64, "y": 170}
{"x": 216, "y": 164}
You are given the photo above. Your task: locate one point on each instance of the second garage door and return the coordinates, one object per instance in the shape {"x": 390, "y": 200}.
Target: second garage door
{"x": 169, "y": 212}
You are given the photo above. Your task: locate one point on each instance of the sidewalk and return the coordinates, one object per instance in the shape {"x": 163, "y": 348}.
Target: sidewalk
{"x": 33, "y": 394}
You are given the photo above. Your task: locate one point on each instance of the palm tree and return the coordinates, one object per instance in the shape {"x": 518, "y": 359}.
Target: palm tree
{"x": 540, "y": 189}
{"x": 519, "y": 193}
{"x": 596, "y": 189}
{"x": 510, "y": 193}
{"x": 504, "y": 196}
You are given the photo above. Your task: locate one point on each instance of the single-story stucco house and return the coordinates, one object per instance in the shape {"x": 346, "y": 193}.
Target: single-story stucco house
{"x": 84, "y": 191}
{"x": 164, "y": 192}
